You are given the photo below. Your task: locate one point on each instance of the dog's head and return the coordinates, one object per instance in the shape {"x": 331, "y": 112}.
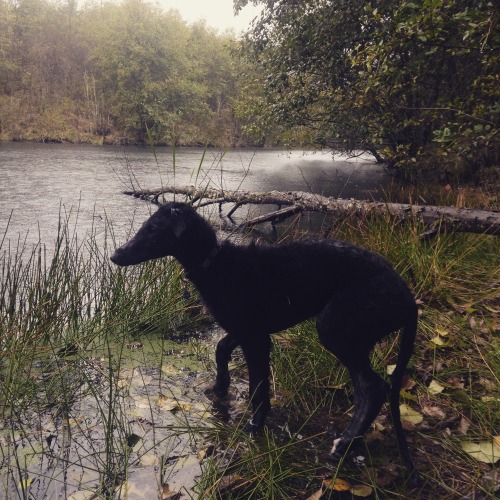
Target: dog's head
{"x": 166, "y": 232}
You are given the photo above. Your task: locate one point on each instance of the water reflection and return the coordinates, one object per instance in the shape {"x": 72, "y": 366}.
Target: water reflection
{"x": 40, "y": 182}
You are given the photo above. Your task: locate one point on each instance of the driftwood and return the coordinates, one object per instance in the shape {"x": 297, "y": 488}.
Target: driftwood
{"x": 438, "y": 218}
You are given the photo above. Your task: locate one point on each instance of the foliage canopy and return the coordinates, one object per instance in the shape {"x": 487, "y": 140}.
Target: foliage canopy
{"x": 118, "y": 71}
{"x": 408, "y": 81}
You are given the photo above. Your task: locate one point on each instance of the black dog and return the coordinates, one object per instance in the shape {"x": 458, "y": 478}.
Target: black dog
{"x": 253, "y": 291}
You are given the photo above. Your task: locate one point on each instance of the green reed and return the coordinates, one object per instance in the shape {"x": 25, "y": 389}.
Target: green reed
{"x": 63, "y": 304}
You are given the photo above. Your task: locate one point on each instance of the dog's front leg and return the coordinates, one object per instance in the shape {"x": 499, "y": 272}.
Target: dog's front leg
{"x": 257, "y": 355}
{"x": 223, "y": 351}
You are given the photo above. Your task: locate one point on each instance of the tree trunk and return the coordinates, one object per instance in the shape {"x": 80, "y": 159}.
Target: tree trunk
{"x": 456, "y": 219}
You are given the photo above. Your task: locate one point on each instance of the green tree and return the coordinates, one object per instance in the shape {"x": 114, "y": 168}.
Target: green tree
{"x": 117, "y": 70}
{"x": 9, "y": 70}
{"x": 414, "y": 83}
{"x": 161, "y": 79}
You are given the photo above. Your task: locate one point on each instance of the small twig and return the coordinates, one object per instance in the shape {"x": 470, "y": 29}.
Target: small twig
{"x": 276, "y": 216}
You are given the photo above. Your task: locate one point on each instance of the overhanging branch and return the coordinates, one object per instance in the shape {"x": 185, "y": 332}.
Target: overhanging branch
{"x": 456, "y": 219}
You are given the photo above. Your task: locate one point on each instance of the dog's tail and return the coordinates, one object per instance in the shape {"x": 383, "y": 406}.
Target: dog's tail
{"x": 405, "y": 351}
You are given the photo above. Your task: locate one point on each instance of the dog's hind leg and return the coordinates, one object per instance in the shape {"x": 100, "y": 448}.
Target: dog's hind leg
{"x": 370, "y": 393}
{"x": 340, "y": 332}
{"x": 223, "y": 351}
{"x": 257, "y": 353}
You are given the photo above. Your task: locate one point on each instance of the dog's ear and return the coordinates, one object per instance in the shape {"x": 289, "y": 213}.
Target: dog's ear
{"x": 179, "y": 222}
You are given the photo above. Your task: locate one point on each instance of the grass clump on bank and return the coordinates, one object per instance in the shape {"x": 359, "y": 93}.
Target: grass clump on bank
{"x": 72, "y": 322}
{"x": 67, "y": 317}
{"x": 450, "y": 398}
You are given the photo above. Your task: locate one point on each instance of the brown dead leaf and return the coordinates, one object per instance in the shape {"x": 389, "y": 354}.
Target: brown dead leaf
{"x": 166, "y": 493}
{"x": 408, "y": 426}
{"x": 464, "y": 425}
{"x": 374, "y": 435}
{"x": 433, "y": 411}
{"x": 337, "y": 484}
{"x": 408, "y": 383}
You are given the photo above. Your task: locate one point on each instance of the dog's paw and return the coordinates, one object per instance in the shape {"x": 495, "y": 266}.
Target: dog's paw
{"x": 214, "y": 391}
{"x": 338, "y": 448}
{"x": 254, "y": 429}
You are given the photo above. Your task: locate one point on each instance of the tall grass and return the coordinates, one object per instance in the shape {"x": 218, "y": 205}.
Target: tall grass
{"x": 455, "y": 280}
{"x": 67, "y": 315}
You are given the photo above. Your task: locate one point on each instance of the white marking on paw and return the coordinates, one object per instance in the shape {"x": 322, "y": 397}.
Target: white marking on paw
{"x": 335, "y": 444}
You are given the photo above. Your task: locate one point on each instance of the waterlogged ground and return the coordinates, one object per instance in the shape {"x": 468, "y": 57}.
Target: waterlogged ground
{"x": 136, "y": 430}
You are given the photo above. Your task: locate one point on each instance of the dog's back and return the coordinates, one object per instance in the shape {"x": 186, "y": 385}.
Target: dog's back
{"x": 264, "y": 289}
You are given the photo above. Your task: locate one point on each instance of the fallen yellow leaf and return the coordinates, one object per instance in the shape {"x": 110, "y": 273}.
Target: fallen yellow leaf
{"x": 337, "y": 484}
{"x": 442, "y": 333}
{"x": 435, "y": 387}
{"x": 361, "y": 490}
{"x": 437, "y": 341}
{"x": 390, "y": 369}
{"x": 410, "y": 415}
{"x": 485, "y": 451}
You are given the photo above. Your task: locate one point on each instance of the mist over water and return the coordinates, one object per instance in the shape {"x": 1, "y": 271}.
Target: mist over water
{"x": 39, "y": 183}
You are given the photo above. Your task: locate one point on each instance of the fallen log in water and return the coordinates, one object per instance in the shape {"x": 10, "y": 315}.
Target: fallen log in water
{"x": 449, "y": 218}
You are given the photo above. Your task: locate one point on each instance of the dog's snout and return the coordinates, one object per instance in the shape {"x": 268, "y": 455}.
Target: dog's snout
{"x": 117, "y": 257}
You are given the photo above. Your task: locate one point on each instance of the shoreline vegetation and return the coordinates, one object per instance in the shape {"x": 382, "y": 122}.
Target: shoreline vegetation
{"x": 101, "y": 395}
{"x": 116, "y": 73}
{"x": 121, "y": 141}
{"x": 307, "y": 75}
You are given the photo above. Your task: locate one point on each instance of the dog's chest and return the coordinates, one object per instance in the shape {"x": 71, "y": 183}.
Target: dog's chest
{"x": 256, "y": 298}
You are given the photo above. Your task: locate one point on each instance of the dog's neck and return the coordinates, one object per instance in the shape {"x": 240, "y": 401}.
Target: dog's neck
{"x": 207, "y": 262}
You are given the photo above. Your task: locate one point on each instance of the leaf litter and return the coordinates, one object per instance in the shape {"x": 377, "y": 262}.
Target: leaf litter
{"x": 150, "y": 456}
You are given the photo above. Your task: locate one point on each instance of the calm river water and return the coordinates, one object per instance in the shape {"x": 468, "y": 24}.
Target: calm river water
{"x": 40, "y": 181}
